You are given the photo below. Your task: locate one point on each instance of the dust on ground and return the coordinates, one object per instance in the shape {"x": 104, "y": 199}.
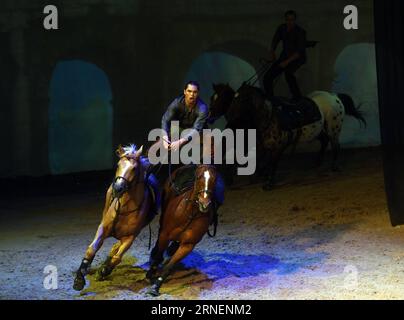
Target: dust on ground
{"x": 316, "y": 235}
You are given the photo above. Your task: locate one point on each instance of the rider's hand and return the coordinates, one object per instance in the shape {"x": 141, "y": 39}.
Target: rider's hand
{"x": 177, "y": 144}
{"x": 166, "y": 142}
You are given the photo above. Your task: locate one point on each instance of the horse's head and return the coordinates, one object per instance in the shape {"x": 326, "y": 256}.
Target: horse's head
{"x": 244, "y": 107}
{"x": 128, "y": 168}
{"x": 221, "y": 100}
{"x": 204, "y": 186}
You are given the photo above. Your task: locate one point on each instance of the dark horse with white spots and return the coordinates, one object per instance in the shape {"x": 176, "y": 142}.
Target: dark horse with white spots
{"x": 248, "y": 108}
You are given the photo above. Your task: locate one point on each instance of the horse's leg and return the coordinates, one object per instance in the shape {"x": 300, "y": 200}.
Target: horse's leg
{"x": 334, "y": 121}
{"x": 324, "y": 140}
{"x": 79, "y": 281}
{"x": 229, "y": 173}
{"x": 107, "y": 261}
{"x": 183, "y": 250}
{"x": 335, "y": 146}
{"x": 229, "y": 170}
{"x": 156, "y": 255}
{"x": 333, "y": 134}
{"x": 116, "y": 256}
{"x": 272, "y": 171}
{"x": 172, "y": 248}
{"x": 266, "y": 161}
{"x": 270, "y": 177}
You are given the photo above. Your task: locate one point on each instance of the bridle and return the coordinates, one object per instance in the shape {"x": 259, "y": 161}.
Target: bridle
{"x": 197, "y": 213}
{"x": 197, "y": 193}
{"x": 127, "y": 185}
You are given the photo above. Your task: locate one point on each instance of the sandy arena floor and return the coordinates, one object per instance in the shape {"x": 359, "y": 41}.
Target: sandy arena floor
{"x": 317, "y": 235}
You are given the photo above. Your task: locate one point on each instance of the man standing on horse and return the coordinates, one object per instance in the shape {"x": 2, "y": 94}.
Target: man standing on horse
{"x": 293, "y": 55}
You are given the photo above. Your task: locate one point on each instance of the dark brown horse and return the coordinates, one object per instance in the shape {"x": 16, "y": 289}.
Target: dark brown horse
{"x": 184, "y": 221}
{"x": 129, "y": 207}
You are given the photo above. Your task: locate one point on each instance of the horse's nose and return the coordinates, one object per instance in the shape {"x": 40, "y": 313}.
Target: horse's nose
{"x": 118, "y": 186}
{"x": 204, "y": 206}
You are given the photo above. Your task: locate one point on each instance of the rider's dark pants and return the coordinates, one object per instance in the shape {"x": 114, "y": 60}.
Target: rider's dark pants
{"x": 275, "y": 70}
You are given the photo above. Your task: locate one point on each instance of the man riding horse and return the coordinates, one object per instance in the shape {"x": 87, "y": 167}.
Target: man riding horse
{"x": 191, "y": 113}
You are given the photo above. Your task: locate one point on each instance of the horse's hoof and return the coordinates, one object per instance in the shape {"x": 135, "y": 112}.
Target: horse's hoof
{"x": 104, "y": 272}
{"x": 153, "y": 291}
{"x": 79, "y": 282}
{"x": 99, "y": 277}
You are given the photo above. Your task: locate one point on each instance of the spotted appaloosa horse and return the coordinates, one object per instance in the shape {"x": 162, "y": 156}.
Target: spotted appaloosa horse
{"x": 129, "y": 207}
{"x": 248, "y": 107}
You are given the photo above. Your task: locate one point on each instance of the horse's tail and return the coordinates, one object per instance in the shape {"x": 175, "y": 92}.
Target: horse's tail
{"x": 350, "y": 108}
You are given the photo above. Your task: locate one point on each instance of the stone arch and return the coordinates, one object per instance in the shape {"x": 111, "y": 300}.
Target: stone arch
{"x": 80, "y": 118}
{"x": 247, "y": 50}
{"x": 356, "y": 75}
{"x": 114, "y": 64}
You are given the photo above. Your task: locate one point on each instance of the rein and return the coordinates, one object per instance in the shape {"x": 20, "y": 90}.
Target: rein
{"x": 128, "y": 186}
{"x": 265, "y": 65}
{"x": 170, "y": 179}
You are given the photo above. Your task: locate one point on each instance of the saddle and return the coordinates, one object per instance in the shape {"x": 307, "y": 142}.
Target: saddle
{"x": 184, "y": 178}
{"x": 293, "y": 115}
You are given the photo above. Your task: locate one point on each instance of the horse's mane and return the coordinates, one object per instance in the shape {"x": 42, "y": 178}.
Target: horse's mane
{"x": 245, "y": 88}
{"x": 131, "y": 149}
{"x": 252, "y": 101}
{"x": 222, "y": 87}
{"x": 249, "y": 89}
{"x": 225, "y": 90}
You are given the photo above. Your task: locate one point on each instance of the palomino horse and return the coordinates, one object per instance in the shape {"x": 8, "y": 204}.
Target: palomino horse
{"x": 129, "y": 207}
{"x": 248, "y": 108}
{"x": 184, "y": 221}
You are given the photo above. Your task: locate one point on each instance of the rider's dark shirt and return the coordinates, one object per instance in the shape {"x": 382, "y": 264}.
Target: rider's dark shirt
{"x": 293, "y": 41}
{"x": 195, "y": 118}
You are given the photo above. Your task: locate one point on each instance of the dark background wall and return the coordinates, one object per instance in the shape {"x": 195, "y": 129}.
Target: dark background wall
{"x": 145, "y": 48}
